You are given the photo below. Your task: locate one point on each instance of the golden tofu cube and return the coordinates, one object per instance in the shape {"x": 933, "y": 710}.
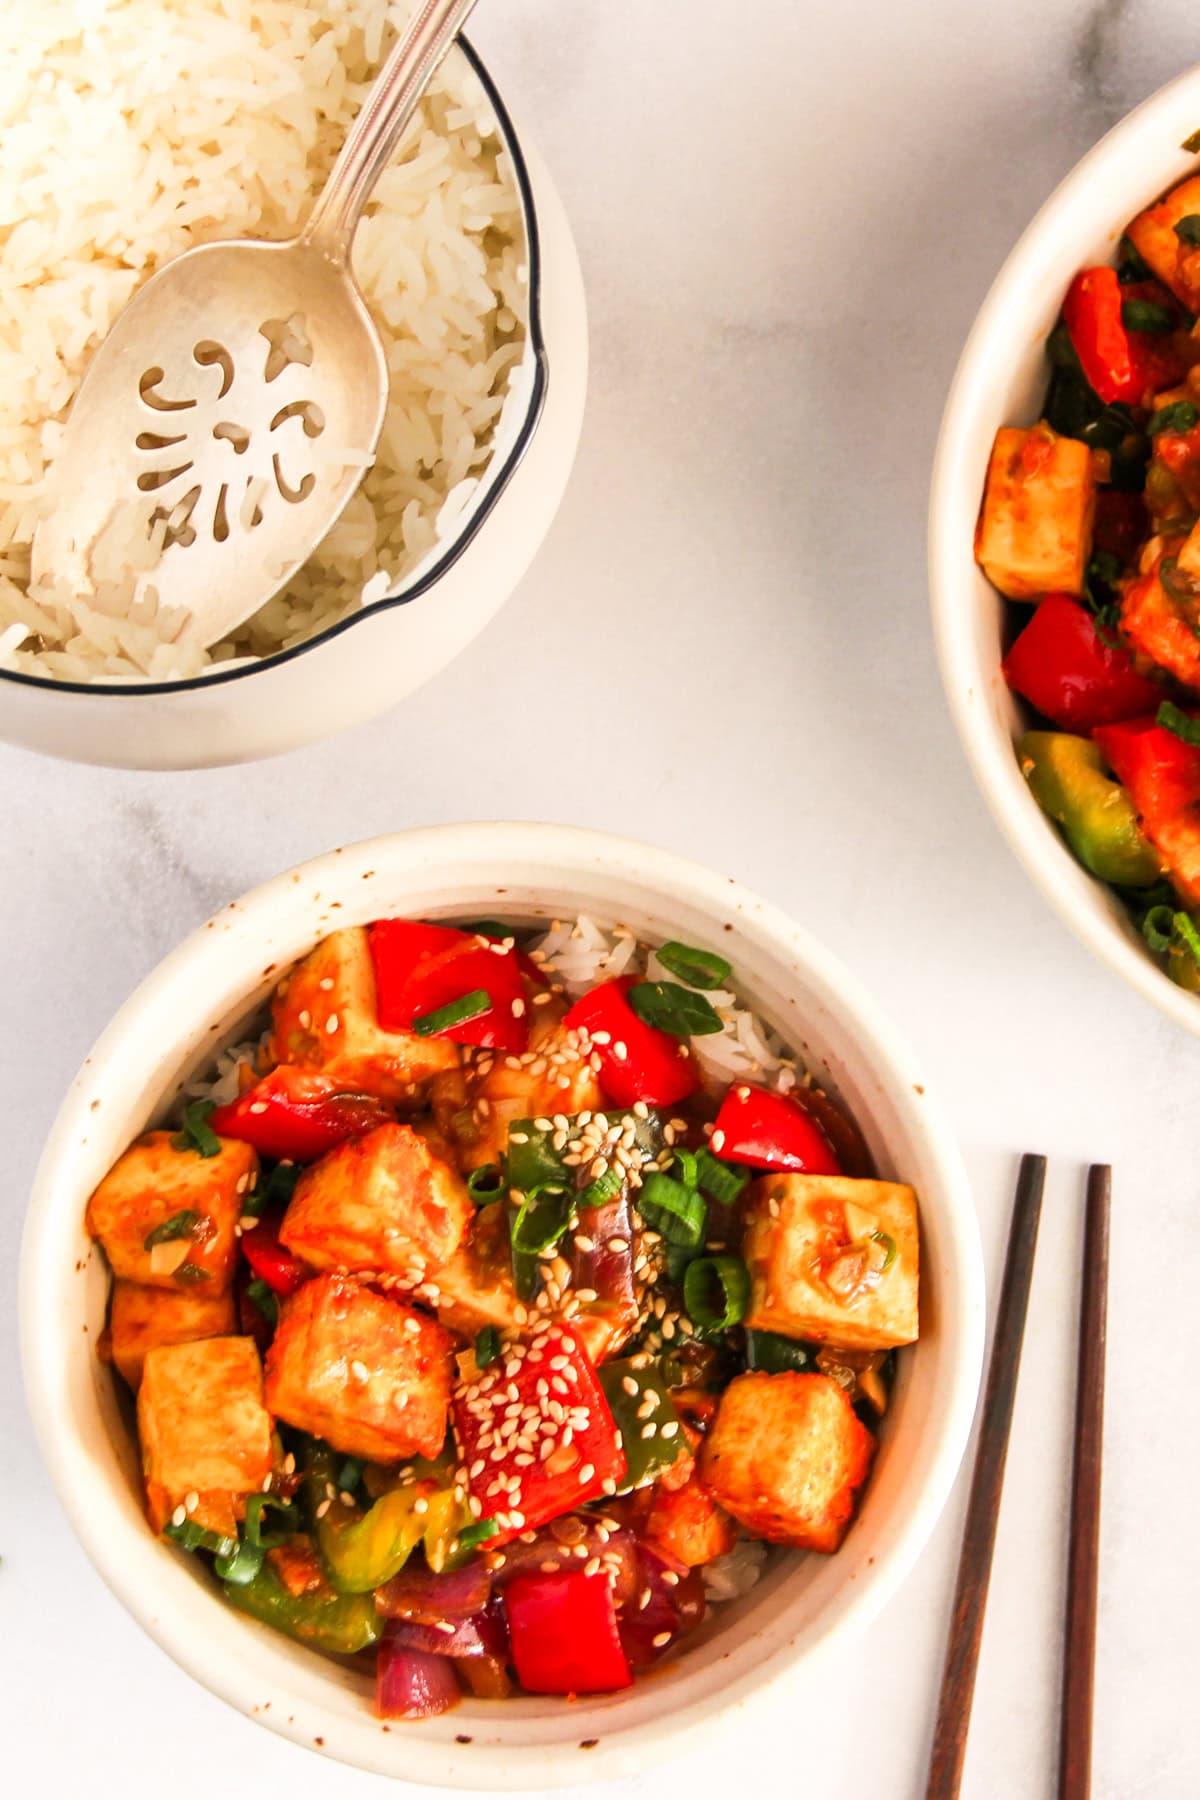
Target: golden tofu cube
{"x": 142, "y": 1318}
{"x": 323, "y": 1017}
{"x": 833, "y": 1260}
{"x": 189, "y": 1203}
{"x": 1157, "y": 626}
{"x": 786, "y": 1456}
{"x": 475, "y": 1288}
{"x": 551, "y": 1077}
{"x": 366, "y": 1373}
{"x": 380, "y": 1202}
{"x": 204, "y": 1430}
{"x": 1034, "y": 535}
{"x": 688, "y": 1524}
{"x": 1154, "y": 238}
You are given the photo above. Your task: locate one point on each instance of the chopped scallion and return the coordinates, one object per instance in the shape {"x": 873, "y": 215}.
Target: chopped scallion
{"x": 264, "y": 1298}
{"x": 1187, "y": 935}
{"x": 774, "y": 1354}
{"x": 197, "y": 1133}
{"x": 487, "y": 1346}
{"x": 1158, "y": 928}
{"x": 1180, "y": 416}
{"x": 478, "y": 1534}
{"x": 673, "y": 1009}
{"x": 1146, "y": 315}
{"x": 1178, "y": 723}
{"x": 676, "y": 1212}
{"x": 540, "y": 1221}
{"x": 486, "y": 1184}
{"x": 1187, "y": 229}
{"x": 721, "y": 1181}
{"x": 489, "y": 928}
{"x": 350, "y": 1475}
{"x": 696, "y": 968}
{"x": 606, "y": 1187}
{"x": 180, "y": 1225}
{"x": 455, "y": 1012}
{"x": 716, "y": 1292}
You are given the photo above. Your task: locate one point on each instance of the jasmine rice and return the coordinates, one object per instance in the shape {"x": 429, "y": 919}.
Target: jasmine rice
{"x": 134, "y": 129}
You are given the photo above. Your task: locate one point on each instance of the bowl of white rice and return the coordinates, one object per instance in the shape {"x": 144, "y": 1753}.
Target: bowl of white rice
{"x": 136, "y": 129}
{"x": 593, "y": 906}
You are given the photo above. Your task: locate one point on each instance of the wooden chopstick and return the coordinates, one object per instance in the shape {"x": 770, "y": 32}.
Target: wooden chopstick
{"x": 987, "y": 1484}
{"x": 1079, "y": 1648}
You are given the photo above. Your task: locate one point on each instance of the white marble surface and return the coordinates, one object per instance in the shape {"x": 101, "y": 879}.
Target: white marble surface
{"x": 787, "y": 217}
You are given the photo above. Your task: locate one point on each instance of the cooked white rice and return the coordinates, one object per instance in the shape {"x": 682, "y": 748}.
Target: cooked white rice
{"x": 133, "y": 129}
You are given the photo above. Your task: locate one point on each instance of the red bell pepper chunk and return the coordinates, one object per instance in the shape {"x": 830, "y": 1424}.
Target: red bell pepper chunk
{"x": 563, "y": 1634}
{"x": 421, "y": 968}
{"x": 1120, "y": 365}
{"x": 282, "y": 1272}
{"x": 504, "y": 1409}
{"x": 637, "y": 1061}
{"x": 1062, "y": 665}
{"x": 1160, "y": 771}
{"x": 768, "y": 1131}
{"x": 292, "y": 1115}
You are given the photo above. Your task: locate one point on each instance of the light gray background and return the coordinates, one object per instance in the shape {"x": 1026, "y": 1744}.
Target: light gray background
{"x": 787, "y": 217}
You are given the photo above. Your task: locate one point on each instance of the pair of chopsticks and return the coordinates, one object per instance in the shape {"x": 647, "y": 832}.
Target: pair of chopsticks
{"x": 987, "y": 1483}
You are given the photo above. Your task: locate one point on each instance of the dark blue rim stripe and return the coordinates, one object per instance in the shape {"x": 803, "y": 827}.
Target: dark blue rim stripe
{"x": 499, "y": 480}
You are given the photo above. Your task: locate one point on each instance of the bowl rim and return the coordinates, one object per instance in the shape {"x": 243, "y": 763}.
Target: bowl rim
{"x": 556, "y": 853}
{"x": 497, "y": 478}
{"x": 1037, "y": 846}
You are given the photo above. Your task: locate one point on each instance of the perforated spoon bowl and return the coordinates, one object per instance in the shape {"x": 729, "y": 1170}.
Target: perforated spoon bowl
{"x": 231, "y": 412}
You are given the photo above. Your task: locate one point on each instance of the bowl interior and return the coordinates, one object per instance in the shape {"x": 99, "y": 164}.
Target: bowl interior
{"x": 197, "y": 1001}
{"x": 1001, "y": 380}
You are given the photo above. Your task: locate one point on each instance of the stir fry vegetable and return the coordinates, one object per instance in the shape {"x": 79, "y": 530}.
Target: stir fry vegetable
{"x": 456, "y": 1374}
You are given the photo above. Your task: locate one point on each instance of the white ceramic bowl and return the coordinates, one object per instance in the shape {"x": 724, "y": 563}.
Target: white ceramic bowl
{"x": 377, "y": 656}
{"x": 1001, "y": 380}
{"x": 196, "y": 1000}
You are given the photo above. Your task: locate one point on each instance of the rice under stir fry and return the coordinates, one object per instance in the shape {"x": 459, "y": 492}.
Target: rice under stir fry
{"x": 135, "y": 129}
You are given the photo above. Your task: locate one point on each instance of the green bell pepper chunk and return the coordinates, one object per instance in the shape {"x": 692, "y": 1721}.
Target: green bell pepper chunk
{"x": 1066, "y": 777}
{"x": 359, "y": 1550}
{"x": 339, "y": 1624}
{"x": 646, "y": 1457}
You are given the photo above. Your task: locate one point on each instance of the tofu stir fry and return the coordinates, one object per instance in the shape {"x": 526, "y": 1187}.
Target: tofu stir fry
{"x": 506, "y": 1311}
{"x": 1092, "y": 516}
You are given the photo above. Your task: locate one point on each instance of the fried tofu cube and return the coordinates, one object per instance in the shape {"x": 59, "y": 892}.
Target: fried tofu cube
{"x": 688, "y": 1524}
{"x": 1153, "y": 235}
{"x": 142, "y": 1318}
{"x": 786, "y": 1456}
{"x": 1154, "y": 624}
{"x": 833, "y": 1260}
{"x": 324, "y": 1017}
{"x": 1034, "y": 535}
{"x": 552, "y": 1076}
{"x": 475, "y": 1288}
{"x": 366, "y": 1373}
{"x": 381, "y": 1202}
{"x": 188, "y": 1203}
{"x": 204, "y": 1430}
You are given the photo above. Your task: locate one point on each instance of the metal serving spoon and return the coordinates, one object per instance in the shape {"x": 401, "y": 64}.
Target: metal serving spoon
{"x": 232, "y": 410}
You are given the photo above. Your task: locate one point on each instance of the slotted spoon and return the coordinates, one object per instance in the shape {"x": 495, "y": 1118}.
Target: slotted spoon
{"x": 232, "y": 410}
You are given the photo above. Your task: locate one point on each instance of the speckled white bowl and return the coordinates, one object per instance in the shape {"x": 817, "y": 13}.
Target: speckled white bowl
{"x": 1001, "y": 380}
{"x": 195, "y": 1001}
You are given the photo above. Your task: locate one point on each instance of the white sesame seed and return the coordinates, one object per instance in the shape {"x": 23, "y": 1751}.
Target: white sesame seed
{"x": 258, "y": 1106}
{"x": 178, "y": 1516}
{"x": 587, "y": 1473}
{"x": 305, "y": 1019}
{"x": 421, "y": 1506}
{"x": 620, "y": 1051}
{"x": 324, "y": 1508}
{"x": 669, "y": 1429}
{"x": 359, "y": 1370}
{"x": 660, "y": 1638}
{"x": 331, "y": 1023}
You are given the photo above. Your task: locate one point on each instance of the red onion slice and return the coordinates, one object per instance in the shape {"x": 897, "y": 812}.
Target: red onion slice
{"x": 412, "y": 1685}
{"x": 417, "y": 1593}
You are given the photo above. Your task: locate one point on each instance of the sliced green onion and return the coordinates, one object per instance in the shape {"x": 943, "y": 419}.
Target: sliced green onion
{"x": 350, "y": 1475}
{"x": 264, "y": 1298}
{"x": 455, "y": 1012}
{"x": 539, "y": 1222}
{"x": 723, "y": 1182}
{"x": 487, "y": 1346}
{"x": 190, "y": 1536}
{"x": 275, "y": 1191}
{"x": 1187, "y": 934}
{"x": 478, "y": 1534}
{"x": 1158, "y": 928}
{"x": 289, "y": 1520}
{"x": 179, "y": 1225}
{"x": 1178, "y": 723}
{"x": 679, "y": 1259}
{"x": 675, "y": 1010}
{"x": 686, "y": 1167}
{"x": 1187, "y": 229}
{"x": 1133, "y": 266}
{"x": 241, "y": 1565}
{"x": 606, "y": 1187}
{"x": 677, "y": 1213}
{"x": 197, "y": 1133}
{"x": 889, "y": 1243}
{"x": 696, "y": 968}
{"x": 774, "y": 1354}
{"x": 716, "y": 1292}
{"x": 1181, "y": 415}
{"x": 189, "y": 1273}
{"x": 1146, "y": 315}
{"x": 486, "y": 1184}
{"x": 489, "y": 928}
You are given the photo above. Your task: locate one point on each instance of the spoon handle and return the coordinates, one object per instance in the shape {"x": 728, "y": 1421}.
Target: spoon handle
{"x": 380, "y": 124}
